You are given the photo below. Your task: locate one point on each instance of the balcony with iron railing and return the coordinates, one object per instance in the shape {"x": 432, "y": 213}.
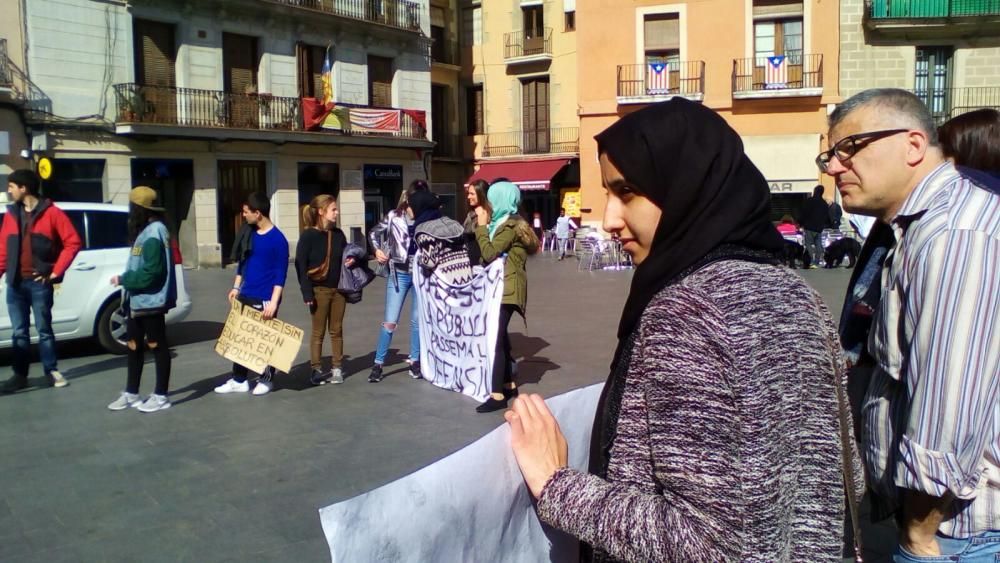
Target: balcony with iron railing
{"x": 556, "y": 140}
{"x": 399, "y": 14}
{"x": 640, "y": 84}
{"x": 932, "y": 18}
{"x": 524, "y": 47}
{"x": 946, "y": 103}
{"x": 205, "y": 112}
{"x": 792, "y": 75}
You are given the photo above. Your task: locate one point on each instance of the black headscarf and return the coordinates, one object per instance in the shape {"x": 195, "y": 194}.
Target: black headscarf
{"x": 687, "y": 160}
{"x": 426, "y": 207}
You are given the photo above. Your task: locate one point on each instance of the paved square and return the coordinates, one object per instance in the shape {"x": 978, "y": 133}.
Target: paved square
{"x": 218, "y": 478}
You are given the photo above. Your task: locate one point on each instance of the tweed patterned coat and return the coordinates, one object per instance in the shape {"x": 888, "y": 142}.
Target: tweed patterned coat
{"x": 727, "y": 446}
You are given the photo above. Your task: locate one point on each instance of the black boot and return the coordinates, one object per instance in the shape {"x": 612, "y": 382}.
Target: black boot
{"x": 492, "y": 405}
{"x": 376, "y": 375}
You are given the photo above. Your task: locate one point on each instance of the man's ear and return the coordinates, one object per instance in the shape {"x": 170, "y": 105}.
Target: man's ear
{"x": 917, "y": 144}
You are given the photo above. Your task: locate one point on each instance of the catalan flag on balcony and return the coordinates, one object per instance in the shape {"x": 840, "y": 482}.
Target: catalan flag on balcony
{"x": 776, "y": 72}
{"x": 657, "y": 78}
{"x": 332, "y": 120}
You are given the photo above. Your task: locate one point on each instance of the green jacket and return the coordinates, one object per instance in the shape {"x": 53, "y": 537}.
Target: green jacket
{"x": 517, "y": 246}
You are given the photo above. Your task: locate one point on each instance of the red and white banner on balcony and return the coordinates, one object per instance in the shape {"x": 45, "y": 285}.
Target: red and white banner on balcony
{"x": 374, "y": 120}
{"x": 776, "y": 72}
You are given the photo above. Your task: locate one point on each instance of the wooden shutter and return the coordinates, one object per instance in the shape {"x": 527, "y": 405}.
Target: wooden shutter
{"x": 239, "y": 57}
{"x": 379, "y": 81}
{"x": 318, "y": 55}
{"x": 155, "y": 56}
{"x": 303, "y": 70}
{"x": 772, "y": 9}
{"x": 661, "y": 32}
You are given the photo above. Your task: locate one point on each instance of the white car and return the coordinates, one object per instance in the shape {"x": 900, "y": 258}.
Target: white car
{"x": 86, "y": 305}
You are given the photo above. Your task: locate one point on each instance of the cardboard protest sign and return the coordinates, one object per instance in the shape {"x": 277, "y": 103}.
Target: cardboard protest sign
{"x": 255, "y": 343}
{"x": 470, "y": 506}
{"x": 458, "y": 329}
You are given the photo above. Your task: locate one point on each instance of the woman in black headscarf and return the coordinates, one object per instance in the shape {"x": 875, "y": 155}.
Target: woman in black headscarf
{"x": 717, "y": 437}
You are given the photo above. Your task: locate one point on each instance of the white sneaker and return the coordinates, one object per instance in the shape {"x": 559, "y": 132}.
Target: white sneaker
{"x": 125, "y": 400}
{"x": 338, "y": 376}
{"x": 232, "y": 386}
{"x": 155, "y": 403}
{"x": 262, "y": 388}
{"x": 58, "y": 380}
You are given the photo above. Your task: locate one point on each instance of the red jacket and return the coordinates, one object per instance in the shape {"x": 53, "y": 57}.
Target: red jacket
{"x": 54, "y": 241}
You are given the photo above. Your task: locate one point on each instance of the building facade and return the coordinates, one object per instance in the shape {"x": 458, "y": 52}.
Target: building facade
{"x": 519, "y": 71}
{"x": 451, "y": 162}
{"x": 13, "y": 97}
{"x": 207, "y": 102}
{"x": 769, "y": 67}
{"x": 948, "y": 52}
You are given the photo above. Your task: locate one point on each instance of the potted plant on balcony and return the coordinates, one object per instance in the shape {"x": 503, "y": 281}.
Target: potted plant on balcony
{"x": 133, "y": 105}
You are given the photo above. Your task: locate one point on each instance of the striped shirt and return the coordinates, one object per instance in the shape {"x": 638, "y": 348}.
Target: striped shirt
{"x": 932, "y": 411}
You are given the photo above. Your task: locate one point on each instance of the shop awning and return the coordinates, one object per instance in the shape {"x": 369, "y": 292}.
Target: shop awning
{"x": 527, "y": 174}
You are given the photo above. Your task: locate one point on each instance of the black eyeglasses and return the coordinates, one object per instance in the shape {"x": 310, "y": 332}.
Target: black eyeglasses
{"x": 850, "y": 145}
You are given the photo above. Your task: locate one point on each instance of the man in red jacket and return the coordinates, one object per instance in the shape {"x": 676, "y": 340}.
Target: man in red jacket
{"x": 37, "y": 244}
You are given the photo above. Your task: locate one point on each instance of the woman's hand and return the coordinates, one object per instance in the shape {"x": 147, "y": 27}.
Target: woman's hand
{"x": 482, "y": 217}
{"x": 538, "y": 444}
{"x": 115, "y": 280}
{"x": 350, "y": 261}
{"x": 382, "y": 257}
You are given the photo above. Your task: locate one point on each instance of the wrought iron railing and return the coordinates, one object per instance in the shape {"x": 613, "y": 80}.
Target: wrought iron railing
{"x": 762, "y": 74}
{"x": 541, "y": 141}
{"x": 401, "y": 14}
{"x": 683, "y": 78}
{"x": 6, "y": 77}
{"x": 891, "y": 9}
{"x": 520, "y": 44}
{"x": 189, "y": 107}
{"x": 946, "y": 103}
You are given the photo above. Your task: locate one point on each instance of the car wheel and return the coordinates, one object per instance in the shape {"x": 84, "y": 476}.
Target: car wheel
{"x": 111, "y": 327}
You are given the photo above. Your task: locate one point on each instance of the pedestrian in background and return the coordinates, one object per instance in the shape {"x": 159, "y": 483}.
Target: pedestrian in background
{"x": 475, "y": 195}
{"x": 259, "y": 283}
{"x": 150, "y": 291}
{"x": 972, "y": 140}
{"x": 564, "y": 226}
{"x": 813, "y": 218}
{"x": 391, "y": 240}
{"x": 318, "y": 258}
{"x": 37, "y": 245}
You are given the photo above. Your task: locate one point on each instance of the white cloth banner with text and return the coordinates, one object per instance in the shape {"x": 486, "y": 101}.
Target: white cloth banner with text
{"x": 470, "y": 506}
{"x": 458, "y": 329}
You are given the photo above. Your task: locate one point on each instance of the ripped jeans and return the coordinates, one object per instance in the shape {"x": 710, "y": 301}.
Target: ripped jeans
{"x": 396, "y": 288}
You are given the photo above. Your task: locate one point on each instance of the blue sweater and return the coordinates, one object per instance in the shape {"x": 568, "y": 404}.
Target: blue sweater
{"x": 267, "y": 265}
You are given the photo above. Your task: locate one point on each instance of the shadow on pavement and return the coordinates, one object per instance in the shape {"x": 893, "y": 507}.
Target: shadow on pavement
{"x": 532, "y": 367}
{"x": 198, "y": 389}
{"x": 191, "y": 332}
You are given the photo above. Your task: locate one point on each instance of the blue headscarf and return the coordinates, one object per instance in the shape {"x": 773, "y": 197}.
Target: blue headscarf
{"x": 505, "y": 197}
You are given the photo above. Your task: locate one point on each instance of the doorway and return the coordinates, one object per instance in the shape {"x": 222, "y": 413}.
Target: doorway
{"x": 316, "y": 178}
{"x": 237, "y": 180}
{"x": 173, "y": 180}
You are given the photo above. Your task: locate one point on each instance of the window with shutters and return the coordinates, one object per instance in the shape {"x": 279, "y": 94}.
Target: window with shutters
{"x": 777, "y": 29}
{"x": 442, "y": 118}
{"x": 155, "y": 55}
{"x": 661, "y": 39}
{"x": 379, "y": 81}
{"x": 155, "y": 58}
{"x": 535, "y": 115}
{"x": 932, "y": 79}
{"x": 474, "y": 110}
{"x": 472, "y": 26}
{"x": 309, "y": 62}
{"x": 570, "y": 21}
{"x": 240, "y": 61}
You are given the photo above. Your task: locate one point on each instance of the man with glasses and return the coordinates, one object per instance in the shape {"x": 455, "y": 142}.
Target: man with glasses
{"x": 931, "y": 412}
